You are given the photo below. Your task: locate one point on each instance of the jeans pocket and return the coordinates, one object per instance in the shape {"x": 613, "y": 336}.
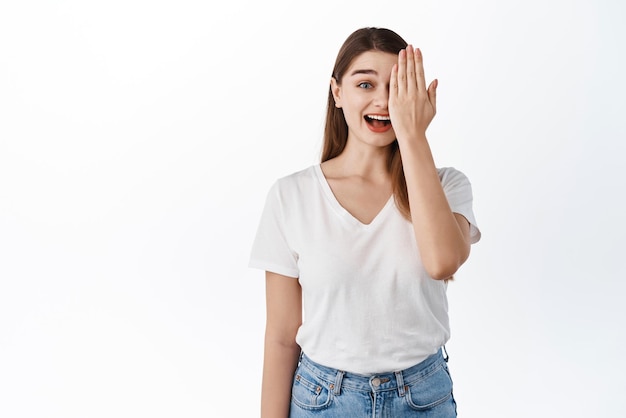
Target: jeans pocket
{"x": 433, "y": 390}
{"x": 308, "y": 391}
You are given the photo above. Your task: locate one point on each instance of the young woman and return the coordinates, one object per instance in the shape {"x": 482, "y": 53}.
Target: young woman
{"x": 358, "y": 250}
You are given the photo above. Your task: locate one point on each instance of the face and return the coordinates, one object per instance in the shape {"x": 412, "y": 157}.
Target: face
{"x": 363, "y": 95}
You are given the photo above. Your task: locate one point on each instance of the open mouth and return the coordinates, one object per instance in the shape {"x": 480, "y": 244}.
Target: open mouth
{"x": 378, "y": 121}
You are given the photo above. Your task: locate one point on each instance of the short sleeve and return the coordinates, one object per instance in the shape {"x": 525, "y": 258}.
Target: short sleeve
{"x": 271, "y": 250}
{"x": 458, "y": 190}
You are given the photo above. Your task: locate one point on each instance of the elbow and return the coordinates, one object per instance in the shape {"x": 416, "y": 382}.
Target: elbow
{"x": 444, "y": 268}
{"x": 442, "y": 272}
{"x": 282, "y": 336}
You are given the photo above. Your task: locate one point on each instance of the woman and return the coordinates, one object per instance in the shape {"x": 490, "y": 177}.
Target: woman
{"x": 364, "y": 244}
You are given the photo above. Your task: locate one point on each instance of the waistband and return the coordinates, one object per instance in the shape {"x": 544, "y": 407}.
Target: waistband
{"x": 379, "y": 382}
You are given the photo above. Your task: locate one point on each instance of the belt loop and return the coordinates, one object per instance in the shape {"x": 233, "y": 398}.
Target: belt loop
{"x": 400, "y": 382}
{"x": 445, "y": 356}
{"x": 338, "y": 379}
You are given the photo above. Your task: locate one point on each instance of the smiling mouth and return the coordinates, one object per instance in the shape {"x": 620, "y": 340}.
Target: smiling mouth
{"x": 377, "y": 121}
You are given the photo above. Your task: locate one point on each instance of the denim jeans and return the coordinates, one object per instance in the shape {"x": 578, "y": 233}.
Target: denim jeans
{"x": 424, "y": 390}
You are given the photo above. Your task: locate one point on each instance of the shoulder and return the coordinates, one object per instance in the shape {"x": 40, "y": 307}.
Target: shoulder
{"x": 296, "y": 184}
{"x": 297, "y": 178}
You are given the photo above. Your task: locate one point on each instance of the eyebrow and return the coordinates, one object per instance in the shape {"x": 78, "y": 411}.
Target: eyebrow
{"x": 355, "y": 72}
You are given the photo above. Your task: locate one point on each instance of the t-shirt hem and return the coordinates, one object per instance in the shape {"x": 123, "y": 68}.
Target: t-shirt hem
{"x": 274, "y": 268}
{"x": 474, "y": 230}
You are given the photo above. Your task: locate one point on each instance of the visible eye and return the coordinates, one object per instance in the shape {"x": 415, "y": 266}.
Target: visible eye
{"x": 365, "y": 85}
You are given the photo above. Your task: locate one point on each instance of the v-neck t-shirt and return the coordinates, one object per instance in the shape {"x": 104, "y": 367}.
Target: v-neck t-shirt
{"x": 369, "y": 306}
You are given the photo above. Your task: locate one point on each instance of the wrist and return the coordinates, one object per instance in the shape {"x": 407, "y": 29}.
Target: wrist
{"x": 412, "y": 139}
{"x": 416, "y": 150}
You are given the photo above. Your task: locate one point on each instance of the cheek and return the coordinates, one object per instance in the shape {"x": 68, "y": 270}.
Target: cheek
{"x": 352, "y": 117}
{"x": 353, "y": 106}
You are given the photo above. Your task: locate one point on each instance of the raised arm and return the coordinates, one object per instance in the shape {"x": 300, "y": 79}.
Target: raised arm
{"x": 284, "y": 317}
{"x": 442, "y": 236}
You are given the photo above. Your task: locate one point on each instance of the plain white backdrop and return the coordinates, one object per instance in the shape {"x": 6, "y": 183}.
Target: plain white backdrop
{"x": 138, "y": 140}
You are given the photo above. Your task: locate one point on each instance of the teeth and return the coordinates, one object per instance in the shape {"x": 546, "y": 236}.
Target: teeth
{"x": 379, "y": 117}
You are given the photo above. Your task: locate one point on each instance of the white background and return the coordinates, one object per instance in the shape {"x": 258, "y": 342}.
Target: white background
{"x": 138, "y": 140}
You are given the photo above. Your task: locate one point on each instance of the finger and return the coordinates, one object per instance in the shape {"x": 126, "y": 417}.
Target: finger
{"x": 402, "y": 71}
{"x": 411, "y": 81}
{"x": 419, "y": 68}
{"x": 432, "y": 93}
{"x": 393, "y": 88}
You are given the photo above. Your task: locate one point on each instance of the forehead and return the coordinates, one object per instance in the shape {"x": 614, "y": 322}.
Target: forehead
{"x": 380, "y": 62}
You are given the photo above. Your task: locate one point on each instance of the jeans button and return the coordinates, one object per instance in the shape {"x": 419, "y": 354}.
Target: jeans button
{"x": 375, "y": 382}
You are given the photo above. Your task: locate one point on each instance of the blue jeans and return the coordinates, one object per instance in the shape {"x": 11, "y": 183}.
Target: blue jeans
{"x": 424, "y": 390}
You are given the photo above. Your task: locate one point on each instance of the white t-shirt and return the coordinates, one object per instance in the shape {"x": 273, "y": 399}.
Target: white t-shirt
{"x": 369, "y": 304}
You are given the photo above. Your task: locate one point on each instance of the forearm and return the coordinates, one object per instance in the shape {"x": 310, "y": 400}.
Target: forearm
{"x": 279, "y": 364}
{"x": 442, "y": 245}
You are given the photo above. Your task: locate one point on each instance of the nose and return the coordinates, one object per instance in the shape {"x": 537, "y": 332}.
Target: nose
{"x": 381, "y": 100}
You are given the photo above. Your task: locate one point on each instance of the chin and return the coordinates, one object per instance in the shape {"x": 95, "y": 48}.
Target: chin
{"x": 384, "y": 142}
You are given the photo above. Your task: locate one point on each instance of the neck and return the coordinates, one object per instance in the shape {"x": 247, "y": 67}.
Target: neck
{"x": 364, "y": 161}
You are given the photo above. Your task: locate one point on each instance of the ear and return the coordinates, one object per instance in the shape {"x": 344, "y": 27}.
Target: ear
{"x": 335, "y": 88}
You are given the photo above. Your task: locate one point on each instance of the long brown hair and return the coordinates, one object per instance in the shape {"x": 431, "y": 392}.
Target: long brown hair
{"x": 336, "y": 129}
